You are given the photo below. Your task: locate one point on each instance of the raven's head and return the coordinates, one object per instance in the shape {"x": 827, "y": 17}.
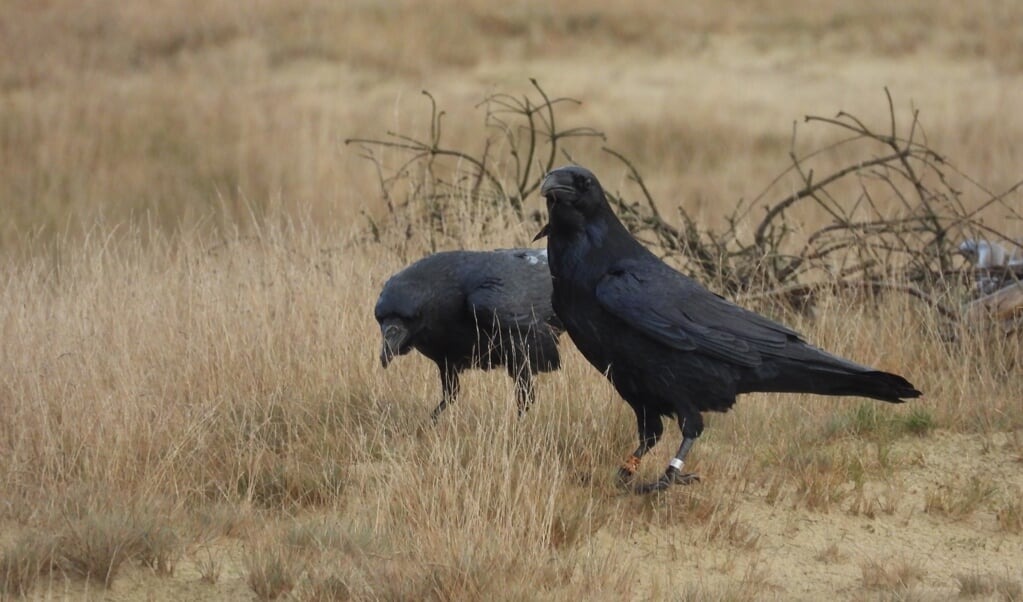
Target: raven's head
{"x": 574, "y": 196}
{"x": 399, "y": 317}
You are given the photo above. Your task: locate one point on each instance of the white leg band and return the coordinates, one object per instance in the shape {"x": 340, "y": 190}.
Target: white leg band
{"x": 676, "y": 464}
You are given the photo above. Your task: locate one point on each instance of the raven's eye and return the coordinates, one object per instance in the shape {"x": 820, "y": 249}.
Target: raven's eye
{"x": 581, "y": 183}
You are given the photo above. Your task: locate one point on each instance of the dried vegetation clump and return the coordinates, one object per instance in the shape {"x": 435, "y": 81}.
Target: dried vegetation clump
{"x": 894, "y": 212}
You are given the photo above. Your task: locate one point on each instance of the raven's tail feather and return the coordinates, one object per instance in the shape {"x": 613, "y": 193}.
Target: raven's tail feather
{"x": 829, "y": 375}
{"x": 874, "y": 384}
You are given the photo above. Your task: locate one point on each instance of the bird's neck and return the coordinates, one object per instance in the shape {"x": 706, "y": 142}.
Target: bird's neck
{"x": 586, "y": 248}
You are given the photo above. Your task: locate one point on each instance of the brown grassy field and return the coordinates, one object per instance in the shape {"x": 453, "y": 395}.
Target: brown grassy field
{"x": 191, "y": 403}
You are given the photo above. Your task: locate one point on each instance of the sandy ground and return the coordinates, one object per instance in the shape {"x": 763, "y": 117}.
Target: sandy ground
{"x": 806, "y": 555}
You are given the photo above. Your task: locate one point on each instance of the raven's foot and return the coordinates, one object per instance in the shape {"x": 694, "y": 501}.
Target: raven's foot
{"x": 437, "y": 411}
{"x": 672, "y": 476}
{"x": 627, "y": 471}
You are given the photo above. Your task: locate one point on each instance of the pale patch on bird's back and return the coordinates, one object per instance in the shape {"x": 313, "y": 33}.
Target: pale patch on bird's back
{"x": 535, "y": 257}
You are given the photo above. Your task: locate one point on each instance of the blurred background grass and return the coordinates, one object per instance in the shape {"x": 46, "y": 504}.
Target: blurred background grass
{"x": 178, "y": 114}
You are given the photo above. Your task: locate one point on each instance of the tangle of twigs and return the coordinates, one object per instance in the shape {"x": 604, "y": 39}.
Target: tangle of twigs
{"x": 862, "y": 247}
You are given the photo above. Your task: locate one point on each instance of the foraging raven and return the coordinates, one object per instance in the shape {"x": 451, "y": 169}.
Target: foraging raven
{"x": 670, "y": 346}
{"x": 473, "y": 309}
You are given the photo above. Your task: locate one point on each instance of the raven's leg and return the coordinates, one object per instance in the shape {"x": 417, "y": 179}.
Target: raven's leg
{"x": 524, "y": 390}
{"x": 650, "y": 430}
{"x": 449, "y": 386}
{"x": 692, "y": 426}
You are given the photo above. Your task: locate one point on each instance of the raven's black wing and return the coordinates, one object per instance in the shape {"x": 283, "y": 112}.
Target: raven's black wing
{"x": 515, "y": 291}
{"x": 672, "y": 309}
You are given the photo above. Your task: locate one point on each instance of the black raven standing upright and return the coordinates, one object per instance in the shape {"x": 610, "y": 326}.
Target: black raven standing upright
{"x": 473, "y": 309}
{"x": 670, "y": 346}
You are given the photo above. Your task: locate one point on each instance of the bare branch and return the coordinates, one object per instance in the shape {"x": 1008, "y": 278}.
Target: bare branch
{"x": 895, "y": 228}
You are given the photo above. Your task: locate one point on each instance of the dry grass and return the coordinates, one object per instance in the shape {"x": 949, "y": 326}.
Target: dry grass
{"x": 24, "y": 562}
{"x": 188, "y": 363}
{"x": 958, "y": 500}
{"x": 209, "y": 566}
{"x": 831, "y": 554}
{"x": 200, "y": 116}
{"x": 891, "y": 574}
{"x": 979, "y": 584}
{"x": 273, "y": 572}
{"x": 242, "y": 376}
{"x": 1010, "y": 514}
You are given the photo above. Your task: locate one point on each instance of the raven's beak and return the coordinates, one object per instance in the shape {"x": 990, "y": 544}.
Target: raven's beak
{"x": 542, "y": 233}
{"x": 549, "y": 183}
{"x": 557, "y": 183}
{"x": 395, "y": 338}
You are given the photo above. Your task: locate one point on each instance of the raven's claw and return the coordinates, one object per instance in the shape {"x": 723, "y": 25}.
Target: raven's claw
{"x": 624, "y": 477}
{"x": 670, "y": 477}
{"x": 627, "y": 471}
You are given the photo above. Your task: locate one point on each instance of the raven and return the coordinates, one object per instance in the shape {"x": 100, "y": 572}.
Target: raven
{"x": 669, "y": 346}
{"x": 473, "y": 309}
